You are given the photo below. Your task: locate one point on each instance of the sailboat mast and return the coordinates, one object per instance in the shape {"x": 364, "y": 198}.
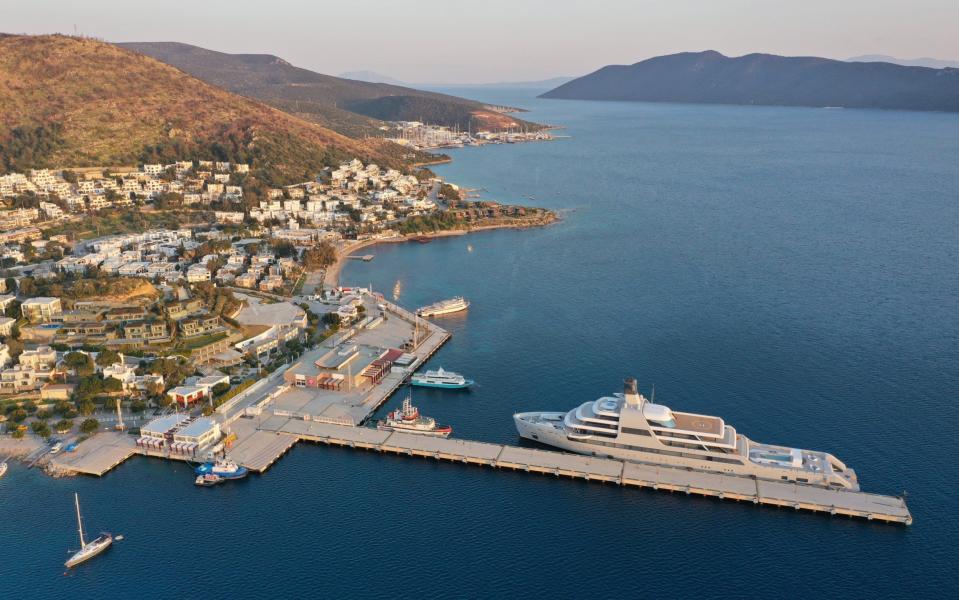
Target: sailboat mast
{"x": 76, "y": 500}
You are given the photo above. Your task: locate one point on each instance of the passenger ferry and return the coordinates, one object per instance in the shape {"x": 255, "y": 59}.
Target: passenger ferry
{"x": 441, "y": 379}
{"x": 409, "y": 420}
{"x": 627, "y": 426}
{"x": 444, "y": 307}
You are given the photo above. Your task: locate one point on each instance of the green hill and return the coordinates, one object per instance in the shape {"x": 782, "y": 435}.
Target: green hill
{"x": 70, "y": 101}
{"x": 348, "y": 106}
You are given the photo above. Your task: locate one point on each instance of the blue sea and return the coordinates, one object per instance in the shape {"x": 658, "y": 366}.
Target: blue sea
{"x": 795, "y": 271}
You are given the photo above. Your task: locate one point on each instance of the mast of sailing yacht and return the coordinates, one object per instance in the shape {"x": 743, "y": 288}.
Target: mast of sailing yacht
{"x": 76, "y": 500}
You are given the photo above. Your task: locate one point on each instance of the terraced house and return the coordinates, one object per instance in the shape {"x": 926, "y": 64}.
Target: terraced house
{"x": 146, "y": 330}
{"x": 195, "y": 326}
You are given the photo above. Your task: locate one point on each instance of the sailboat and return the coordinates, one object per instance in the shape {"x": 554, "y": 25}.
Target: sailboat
{"x": 87, "y": 549}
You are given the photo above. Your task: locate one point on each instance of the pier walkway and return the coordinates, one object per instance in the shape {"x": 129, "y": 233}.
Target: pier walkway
{"x": 799, "y": 497}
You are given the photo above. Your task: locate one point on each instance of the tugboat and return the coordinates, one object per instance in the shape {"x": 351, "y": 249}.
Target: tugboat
{"x": 87, "y": 549}
{"x": 208, "y": 480}
{"x": 223, "y": 468}
{"x": 441, "y": 379}
{"x": 409, "y": 420}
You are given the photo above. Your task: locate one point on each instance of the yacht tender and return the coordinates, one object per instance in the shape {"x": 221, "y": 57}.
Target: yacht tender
{"x": 627, "y": 426}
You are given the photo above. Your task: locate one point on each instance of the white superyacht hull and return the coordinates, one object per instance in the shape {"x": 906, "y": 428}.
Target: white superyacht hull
{"x": 547, "y": 428}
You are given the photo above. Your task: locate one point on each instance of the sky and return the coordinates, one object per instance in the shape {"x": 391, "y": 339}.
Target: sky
{"x": 454, "y": 41}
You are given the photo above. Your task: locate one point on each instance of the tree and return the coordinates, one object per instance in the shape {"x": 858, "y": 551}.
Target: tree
{"x": 64, "y": 425}
{"x": 108, "y": 357}
{"x": 221, "y": 388}
{"x": 87, "y": 407}
{"x": 331, "y": 320}
{"x": 80, "y": 362}
{"x": 16, "y": 433}
{"x": 89, "y": 426}
{"x": 319, "y": 257}
{"x": 40, "y": 428}
{"x": 30, "y": 406}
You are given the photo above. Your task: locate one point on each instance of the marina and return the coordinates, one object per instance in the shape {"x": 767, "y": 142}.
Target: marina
{"x": 267, "y": 437}
{"x": 289, "y": 406}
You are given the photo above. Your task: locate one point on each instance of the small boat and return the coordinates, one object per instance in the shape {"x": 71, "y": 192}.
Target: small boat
{"x": 208, "y": 480}
{"x": 87, "y": 549}
{"x": 409, "y": 420}
{"x": 3, "y": 468}
{"x": 441, "y": 379}
{"x": 223, "y": 468}
{"x": 444, "y": 307}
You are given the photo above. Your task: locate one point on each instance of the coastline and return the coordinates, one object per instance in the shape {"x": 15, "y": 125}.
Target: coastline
{"x": 332, "y": 275}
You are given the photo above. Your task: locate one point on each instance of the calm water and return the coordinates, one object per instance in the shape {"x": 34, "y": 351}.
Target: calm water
{"x": 791, "y": 270}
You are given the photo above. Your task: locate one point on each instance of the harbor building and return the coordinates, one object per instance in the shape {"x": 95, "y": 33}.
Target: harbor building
{"x": 155, "y": 434}
{"x": 341, "y": 368}
{"x": 193, "y": 437}
{"x": 184, "y": 395}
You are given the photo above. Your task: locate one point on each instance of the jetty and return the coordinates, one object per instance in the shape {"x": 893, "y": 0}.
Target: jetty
{"x": 877, "y": 507}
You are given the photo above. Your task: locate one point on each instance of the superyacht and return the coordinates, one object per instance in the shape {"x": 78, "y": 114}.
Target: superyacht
{"x": 627, "y": 426}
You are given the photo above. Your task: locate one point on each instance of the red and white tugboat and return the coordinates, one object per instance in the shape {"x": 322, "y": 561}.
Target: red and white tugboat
{"x": 409, "y": 420}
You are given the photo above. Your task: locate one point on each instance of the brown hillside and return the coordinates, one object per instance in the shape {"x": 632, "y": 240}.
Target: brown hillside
{"x": 81, "y": 102}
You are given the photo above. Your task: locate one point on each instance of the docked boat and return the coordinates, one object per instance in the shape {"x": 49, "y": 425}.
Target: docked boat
{"x": 3, "y": 468}
{"x": 223, "y": 468}
{"x": 208, "y": 480}
{"x": 87, "y": 549}
{"x": 441, "y": 379}
{"x": 409, "y": 420}
{"x": 444, "y": 307}
{"x": 629, "y": 427}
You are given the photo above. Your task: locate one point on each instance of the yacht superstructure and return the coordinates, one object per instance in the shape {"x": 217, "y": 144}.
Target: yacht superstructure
{"x": 627, "y": 426}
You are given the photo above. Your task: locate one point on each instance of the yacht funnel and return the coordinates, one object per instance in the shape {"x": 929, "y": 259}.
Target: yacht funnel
{"x": 631, "y": 391}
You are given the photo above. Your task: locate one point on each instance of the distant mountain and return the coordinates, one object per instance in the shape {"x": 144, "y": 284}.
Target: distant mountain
{"x": 374, "y": 77}
{"x": 79, "y": 102}
{"x": 371, "y": 77}
{"x": 932, "y": 63}
{"x": 355, "y": 108}
{"x": 765, "y": 79}
{"x": 542, "y": 84}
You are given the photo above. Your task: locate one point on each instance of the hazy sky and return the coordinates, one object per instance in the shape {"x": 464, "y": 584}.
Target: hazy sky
{"x": 494, "y": 40}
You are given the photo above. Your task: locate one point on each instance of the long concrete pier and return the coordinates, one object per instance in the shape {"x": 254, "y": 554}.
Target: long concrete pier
{"x": 728, "y": 487}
